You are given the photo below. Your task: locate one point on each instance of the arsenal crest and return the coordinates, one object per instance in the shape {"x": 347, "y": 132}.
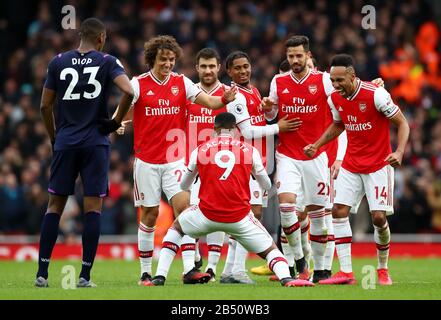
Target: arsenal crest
{"x": 256, "y": 194}
{"x": 312, "y": 88}
{"x": 175, "y": 90}
{"x": 362, "y": 107}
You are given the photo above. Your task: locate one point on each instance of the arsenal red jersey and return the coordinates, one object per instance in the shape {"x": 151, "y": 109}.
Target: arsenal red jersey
{"x": 159, "y": 116}
{"x": 257, "y": 115}
{"x": 200, "y": 121}
{"x": 305, "y": 99}
{"x": 366, "y": 118}
{"x": 224, "y": 165}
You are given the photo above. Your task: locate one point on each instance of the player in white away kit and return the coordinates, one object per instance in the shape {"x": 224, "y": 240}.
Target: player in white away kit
{"x": 238, "y": 67}
{"x": 365, "y": 111}
{"x": 200, "y": 129}
{"x": 159, "y": 113}
{"x": 224, "y": 165}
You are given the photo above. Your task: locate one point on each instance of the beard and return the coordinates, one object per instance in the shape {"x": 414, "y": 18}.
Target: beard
{"x": 208, "y": 82}
{"x": 298, "y": 68}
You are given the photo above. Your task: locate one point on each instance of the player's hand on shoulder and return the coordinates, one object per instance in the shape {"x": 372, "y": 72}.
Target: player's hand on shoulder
{"x": 121, "y": 130}
{"x": 395, "y": 159}
{"x": 106, "y": 126}
{"x": 286, "y": 124}
{"x": 267, "y": 104}
{"x": 378, "y": 82}
{"x": 310, "y": 150}
{"x": 229, "y": 94}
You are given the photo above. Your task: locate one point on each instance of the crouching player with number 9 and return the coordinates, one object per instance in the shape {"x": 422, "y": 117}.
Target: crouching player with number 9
{"x": 364, "y": 110}
{"x": 224, "y": 165}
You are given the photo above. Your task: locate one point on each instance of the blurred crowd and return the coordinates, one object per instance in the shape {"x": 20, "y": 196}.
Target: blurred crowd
{"x": 403, "y": 49}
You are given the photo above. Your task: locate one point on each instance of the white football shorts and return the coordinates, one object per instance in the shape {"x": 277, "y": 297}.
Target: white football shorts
{"x": 150, "y": 179}
{"x": 248, "y": 231}
{"x": 377, "y": 186}
{"x": 258, "y": 195}
{"x": 307, "y": 179}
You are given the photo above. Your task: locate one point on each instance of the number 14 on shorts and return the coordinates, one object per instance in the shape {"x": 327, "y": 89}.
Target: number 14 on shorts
{"x": 379, "y": 194}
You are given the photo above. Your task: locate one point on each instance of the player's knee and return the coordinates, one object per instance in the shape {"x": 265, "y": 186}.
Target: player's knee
{"x": 149, "y": 215}
{"x": 93, "y": 204}
{"x": 56, "y": 204}
{"x": 287, "y": 198}
{"x": 177, "y": 227}
{"x": 340, "y": 211}
{"x": 263, "y": 254}
{"x": 378, "y": 218}
{"x": 180, "y": 202}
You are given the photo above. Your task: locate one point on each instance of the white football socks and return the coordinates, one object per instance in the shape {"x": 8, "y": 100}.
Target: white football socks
{"x": 278, "y": 264}
{"x": 382, "y": 240}
{"x": 240, "y": 259}
{"x": 229, "y": 262}
{"x": 343, "y": 240}
{"x": 319, "y": 238}
{"x": 170, "y": 246}
{"x": 291, "y": 227}
{"x": 188, "y": 247}
{"x": 330, "y": 246}
{"x": 306, "y": 245}
{"x": 286, "y": 248}
{"x": 215, "y": 242}
{"x": 146, "y": 245}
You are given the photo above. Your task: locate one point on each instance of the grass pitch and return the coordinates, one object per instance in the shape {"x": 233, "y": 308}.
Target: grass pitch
{"x": 413, "y": 279}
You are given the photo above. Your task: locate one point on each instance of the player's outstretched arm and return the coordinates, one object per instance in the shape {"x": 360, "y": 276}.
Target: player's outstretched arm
{"x": 396, "y": 157}
{"x": 259, "y": 171}
{"x": 341, "y": 151}
{"x": 188, "y": 178}
{"x": 106, "y": 126}
{"x": 47, "y": 111}
{"x": 254, "y": 132}
{"x": 123, "y": 83}
{"x": 214, "y": 102}
{"x": 190, "y": 172}
{"x": 333, "y": 131}
{"x": 270, "y": 108}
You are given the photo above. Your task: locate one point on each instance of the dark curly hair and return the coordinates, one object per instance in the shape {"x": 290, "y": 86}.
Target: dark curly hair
{"x": 152, "y": 47}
